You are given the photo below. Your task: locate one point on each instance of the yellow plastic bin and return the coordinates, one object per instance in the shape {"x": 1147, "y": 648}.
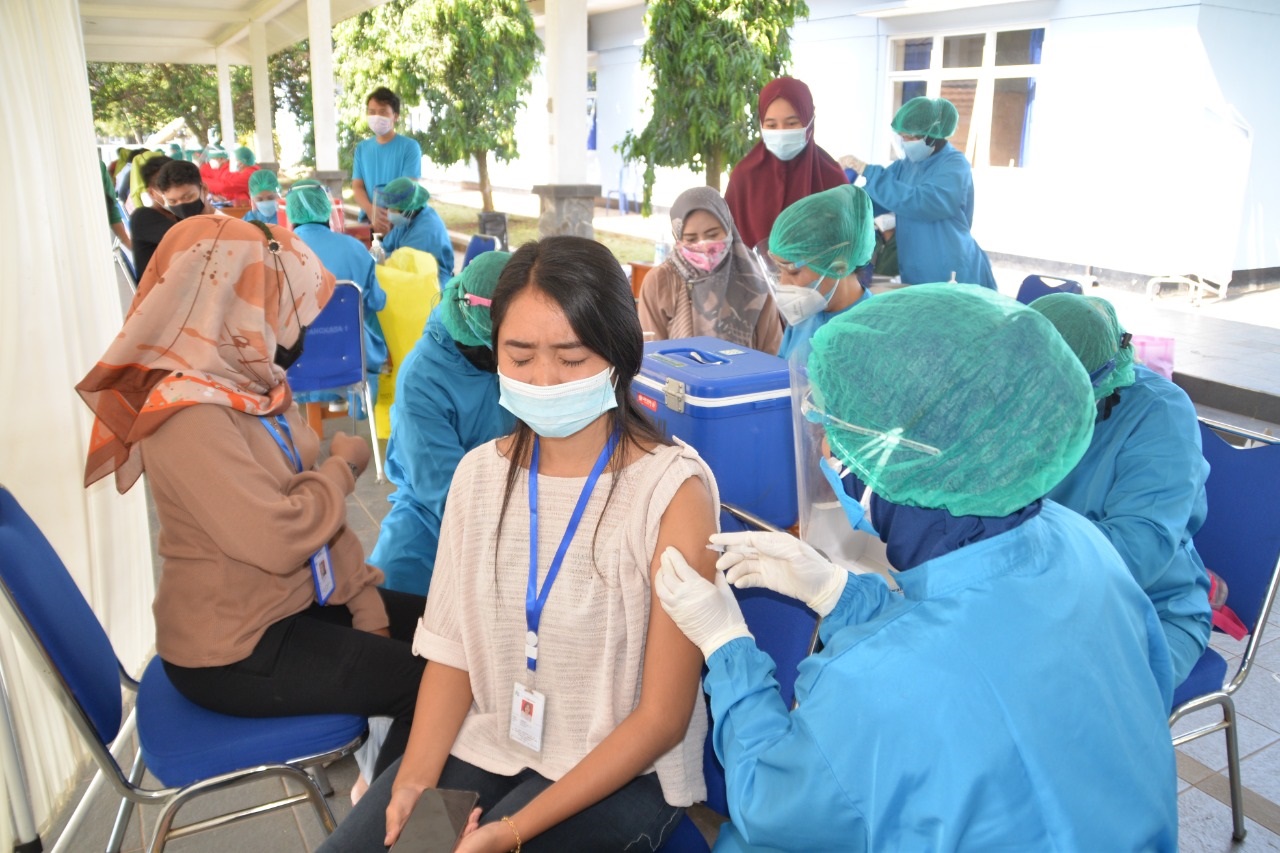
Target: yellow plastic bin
{"x": 411, "y": 280}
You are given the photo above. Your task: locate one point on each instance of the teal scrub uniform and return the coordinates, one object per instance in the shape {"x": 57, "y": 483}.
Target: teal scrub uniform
{"x": 348, "y": 260}
{"x": 426, "y": 233}
{"x": 1142, "y": 483}
{"x": 794, "y": 337}
{"x": 933, "y": 203}
{"x": 445, "y": 406}
{"x": 1013, "y": 697}
{"x": 379, "y": 164}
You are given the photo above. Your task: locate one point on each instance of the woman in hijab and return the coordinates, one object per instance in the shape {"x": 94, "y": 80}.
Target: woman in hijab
{"x": 784, "y": 166}
{"x": 710, "y": 285}
{"x": 265, "y": 606}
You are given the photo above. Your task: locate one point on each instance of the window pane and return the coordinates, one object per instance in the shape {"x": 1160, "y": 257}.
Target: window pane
{"x": 1011, "y": 120}
{"x": 961, "y": 93}
{"x": 905, "y": 90}
{"x": 912, "y": 54}
{"x": 1019, "y": 47}
{"x": 962, "y": 51}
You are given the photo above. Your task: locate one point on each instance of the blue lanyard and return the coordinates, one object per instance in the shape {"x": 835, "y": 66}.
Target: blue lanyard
{"x": 534, "y": 600}
{"x": 290, "y": 451}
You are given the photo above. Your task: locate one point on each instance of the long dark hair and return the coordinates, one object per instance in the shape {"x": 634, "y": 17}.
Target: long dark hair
{"x": 586, "y": 281}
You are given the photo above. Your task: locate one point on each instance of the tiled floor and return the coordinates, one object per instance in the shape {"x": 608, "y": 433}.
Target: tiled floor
{"x": 1204, "y": 817}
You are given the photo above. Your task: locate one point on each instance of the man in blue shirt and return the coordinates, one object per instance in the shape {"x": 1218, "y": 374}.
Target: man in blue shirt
{"x": 382, "y": 158}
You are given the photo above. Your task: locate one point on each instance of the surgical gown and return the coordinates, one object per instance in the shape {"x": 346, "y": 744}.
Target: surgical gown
{"x": 445, "y": 406}
{"x": 348, "y": 260}
{"x": 1142, "y": 483}
{"x": 1014, "y": 697}
{"x": 797, "y": 336}
{"x": 425, "y": 232}
{"x": 933, "y": 202}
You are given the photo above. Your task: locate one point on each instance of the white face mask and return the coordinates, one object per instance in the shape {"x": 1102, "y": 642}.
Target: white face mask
{"x": 798, "y": 304}
{"x": 785, "y": 144}
{"x": 557, "y": 411}
{"x": 917, "y": 150}
{"x": 380, "y": 125}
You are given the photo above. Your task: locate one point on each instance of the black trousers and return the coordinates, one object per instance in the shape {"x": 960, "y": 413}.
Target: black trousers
{"x": 315, "y": 663}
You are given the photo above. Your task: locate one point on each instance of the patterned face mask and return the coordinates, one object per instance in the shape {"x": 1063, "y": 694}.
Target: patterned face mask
{"x": 706, "y": 255}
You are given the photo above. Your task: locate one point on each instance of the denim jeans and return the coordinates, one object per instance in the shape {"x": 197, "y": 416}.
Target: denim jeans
{"x": 634, "y": 818}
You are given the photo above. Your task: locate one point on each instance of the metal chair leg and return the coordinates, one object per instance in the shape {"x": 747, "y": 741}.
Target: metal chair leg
{"x": 320, "y": 776}
{"x": 373, "y": 433}
{"x": 116, "y": 841}
{"x": 1233, "y": 770}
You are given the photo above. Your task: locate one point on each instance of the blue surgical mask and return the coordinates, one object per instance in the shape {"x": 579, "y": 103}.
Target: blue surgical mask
{"x": 917, "y": 150}
{"x": 785, "y": 144}
{"x": 855, "y": 511}
{"x": 557, "y": 411}
{"x": 397, "y": 218}
{"x": 267, "y": 208}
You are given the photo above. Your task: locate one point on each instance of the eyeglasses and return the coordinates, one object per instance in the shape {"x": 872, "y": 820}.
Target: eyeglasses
{"x": 473, "y": 300}
{"x": 889, "y": 440}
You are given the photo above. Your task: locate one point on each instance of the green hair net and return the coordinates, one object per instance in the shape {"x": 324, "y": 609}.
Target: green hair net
{"x": 1090, "y": 327}
{"x": 830, "y": 232}
{"x": 263, "y": 180}
{"x": 470, "y": 324}
{"x": 215, "y": 152}
{"x": 935, "y": 118}
{"x": 245, "y": 156}
{"x": 951, "y": 398}
{"x": 404, "y": 194}
{"x": 307, "y": 202}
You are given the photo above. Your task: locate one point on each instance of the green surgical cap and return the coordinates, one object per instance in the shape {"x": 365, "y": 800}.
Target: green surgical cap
{"x": 404, "y": 194}
{"x": 1090, "y": 327}
{"x": 307, "y": 202}
{"x": 470, "y": 325}
{"x": 935, "y": 118}
{"x": 951, "y": 398}
{"x": 245, "y": 156}
{"x": 215, "y": 152}
{"x": 263, "y": 180}
{"x": 830, "y": 232}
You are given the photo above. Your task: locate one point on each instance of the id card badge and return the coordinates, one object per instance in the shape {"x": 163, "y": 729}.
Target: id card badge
{"x": 528, "y": 708}
{"x": 322, "y": 574}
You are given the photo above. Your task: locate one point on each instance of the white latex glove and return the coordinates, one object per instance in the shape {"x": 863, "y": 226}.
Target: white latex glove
{"x": 707, "y": 613}
{"x": 782, "y": 563}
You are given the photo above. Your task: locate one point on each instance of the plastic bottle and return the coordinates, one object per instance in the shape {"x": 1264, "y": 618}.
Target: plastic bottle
{"x": 376, "y": 251}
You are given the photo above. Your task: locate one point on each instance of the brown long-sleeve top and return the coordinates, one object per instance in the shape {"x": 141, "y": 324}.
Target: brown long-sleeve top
{"x": 237, "y": 529}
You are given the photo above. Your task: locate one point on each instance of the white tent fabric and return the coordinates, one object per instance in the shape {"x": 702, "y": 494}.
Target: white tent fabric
{"x": 59, "y": 307}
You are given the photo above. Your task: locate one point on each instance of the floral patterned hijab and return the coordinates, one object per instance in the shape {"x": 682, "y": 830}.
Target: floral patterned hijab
{"x": 203, "y": 328}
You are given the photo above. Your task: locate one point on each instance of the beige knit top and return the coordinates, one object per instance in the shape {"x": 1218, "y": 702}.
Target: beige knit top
{"x": 591, "y": 640}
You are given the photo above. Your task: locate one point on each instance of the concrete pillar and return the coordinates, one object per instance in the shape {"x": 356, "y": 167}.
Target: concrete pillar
{"x": 263, "y": 146}
{"x": 226, "y": 110}
{"x": 320, "y": 33}
{"x": 568, "y": 202}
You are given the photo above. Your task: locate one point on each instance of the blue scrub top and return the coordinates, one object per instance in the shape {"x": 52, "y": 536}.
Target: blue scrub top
{"x": 348, "y": 259}
{"x": 378, "y": 165}
{"x": 426, "y": 233}
{"x": 1142, "y": 483}
{"x": 1014, "y": 697}
{"x": 444, "y": 407}
{"x": 933, "y": 203}
{"x": 794, "y": 337}
{"x": 255, "y": 216}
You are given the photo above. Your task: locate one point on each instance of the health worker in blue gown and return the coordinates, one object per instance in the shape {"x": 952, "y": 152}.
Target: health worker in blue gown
{"x": 1014, "y": 695}
{"x": 309, "y": 208}
{"x": 415, "y": 225}
{"x": 930, "y": 190}
{"x": 1141, "y": 482}
{"x": 446, "y": 404}
{"x": 264, "y": 193}
{"x": 816, "y": 246}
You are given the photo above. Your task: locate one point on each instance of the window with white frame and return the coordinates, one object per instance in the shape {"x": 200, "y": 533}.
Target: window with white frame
{"x": 989, "y": 76}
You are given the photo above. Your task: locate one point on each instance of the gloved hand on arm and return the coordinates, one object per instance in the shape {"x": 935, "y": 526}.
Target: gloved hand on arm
{"x": 782, "y": 563}
{"x": 706, "y": 612}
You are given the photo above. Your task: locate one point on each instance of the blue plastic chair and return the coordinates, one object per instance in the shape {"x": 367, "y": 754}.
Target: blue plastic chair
{"x": 1240, "y": 540}
{"x": 624, "y": 194}
{"x": 478, "y": 245}
{"x": 1035, "y": 286}
{"x": 333, "y": 355}
{"x": 189, "y": 749}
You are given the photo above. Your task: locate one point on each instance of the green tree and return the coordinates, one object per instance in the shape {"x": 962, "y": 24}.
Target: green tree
{"x": 484, "y": 53}
{"x": 708, "y": 60}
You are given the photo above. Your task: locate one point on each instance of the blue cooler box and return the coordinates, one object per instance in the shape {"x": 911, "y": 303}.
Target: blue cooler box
{"x": 733, "y": 405}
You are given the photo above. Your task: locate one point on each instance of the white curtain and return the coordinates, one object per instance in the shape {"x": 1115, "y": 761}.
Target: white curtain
{"x": 59, "y": 307}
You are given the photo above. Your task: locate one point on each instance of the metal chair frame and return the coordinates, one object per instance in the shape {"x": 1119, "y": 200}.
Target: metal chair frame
{"x": 1223, "y": 697}
{"x": 125, "y": 265}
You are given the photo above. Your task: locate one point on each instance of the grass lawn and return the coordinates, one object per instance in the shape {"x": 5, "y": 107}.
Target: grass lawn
{"x": 521, "y": 229}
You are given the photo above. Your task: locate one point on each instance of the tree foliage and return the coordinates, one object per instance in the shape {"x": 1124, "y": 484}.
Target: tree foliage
{"x": 708, "y": 60}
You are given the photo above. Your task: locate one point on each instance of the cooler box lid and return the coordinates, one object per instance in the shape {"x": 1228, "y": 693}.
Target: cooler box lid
{"x": 714, "y": 372}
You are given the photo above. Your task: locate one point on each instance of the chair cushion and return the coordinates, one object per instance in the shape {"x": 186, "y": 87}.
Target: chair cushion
{"x": 183, "y": 743}
{"x": 1205, "y": 677}
{"x": 685, "y": 839}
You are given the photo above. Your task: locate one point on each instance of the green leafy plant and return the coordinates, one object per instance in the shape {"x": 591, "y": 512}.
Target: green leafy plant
{"x": 708, "y": 60}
